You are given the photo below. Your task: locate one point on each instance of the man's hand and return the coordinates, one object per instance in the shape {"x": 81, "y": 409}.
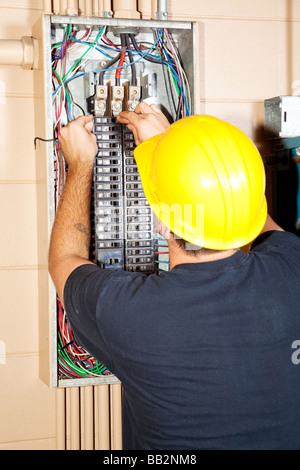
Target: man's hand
{"x": 145, "y": 122}
{"x": 77, "y": 141}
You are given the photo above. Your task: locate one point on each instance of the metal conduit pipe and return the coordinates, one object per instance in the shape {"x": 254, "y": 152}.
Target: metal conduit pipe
{"x": 126, "y": 9}
{"x": 162, "y": 11}
{"x": 159, "y": 10}
{"x": 23, "y": 52}
{"x": 107, "y": 10}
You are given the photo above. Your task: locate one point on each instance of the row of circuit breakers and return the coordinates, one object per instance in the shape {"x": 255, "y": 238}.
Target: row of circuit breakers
{"x": 122, "y": 216}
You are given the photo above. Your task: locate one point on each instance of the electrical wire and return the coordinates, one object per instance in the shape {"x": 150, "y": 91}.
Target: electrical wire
{"x": 171, "y": 62}
{"x": 122, "y": 59}
{"x": 131, "y": 60}
{"x": 108, "y": 67}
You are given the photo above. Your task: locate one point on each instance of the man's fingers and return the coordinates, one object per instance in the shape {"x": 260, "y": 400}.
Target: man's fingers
{"x": 156, "y": 109}
{"x": 122, "y": 117}
{"x": 127, "y": 117}
{"x": 143, "y": 108}
{"x": 89, "y": 126}
{"x": 135, "y": 134}
{"x": 84, "y": 119}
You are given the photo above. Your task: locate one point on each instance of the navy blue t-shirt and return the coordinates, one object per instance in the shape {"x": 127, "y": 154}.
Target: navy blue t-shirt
{"x": 206, "y": 353}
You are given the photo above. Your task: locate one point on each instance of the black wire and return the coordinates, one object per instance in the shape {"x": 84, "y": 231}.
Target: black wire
{"x": 130, "y": 55}
{"x": 107, "y": 66}
{"x": 43, "y": 140}
{"x": 146, "y": 57}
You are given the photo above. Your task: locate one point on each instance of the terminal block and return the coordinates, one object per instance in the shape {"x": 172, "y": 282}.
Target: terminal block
{"x": 134, "y": 96}
{"x": 117, "y": 99}
{"x": 100, "y": 100}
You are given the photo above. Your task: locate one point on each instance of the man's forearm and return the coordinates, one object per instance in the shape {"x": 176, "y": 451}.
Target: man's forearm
{"x": 70, "y": 238}
{"x": 71, "y": 229}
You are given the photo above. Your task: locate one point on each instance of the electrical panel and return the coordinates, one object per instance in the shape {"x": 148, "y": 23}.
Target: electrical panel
{"x": 102, "y": 66}
{"x": 282, "y": 117}
{"x": 282, "y": 129}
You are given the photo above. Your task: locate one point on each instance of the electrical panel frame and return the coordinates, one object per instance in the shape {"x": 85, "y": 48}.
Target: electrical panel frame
{"x": 184, "y": 34}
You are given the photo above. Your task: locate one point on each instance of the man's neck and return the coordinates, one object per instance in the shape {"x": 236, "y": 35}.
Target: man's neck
{"x": 178, "y": 255}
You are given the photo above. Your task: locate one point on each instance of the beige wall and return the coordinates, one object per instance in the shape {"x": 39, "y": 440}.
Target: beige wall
{"x": 248, "y": 51}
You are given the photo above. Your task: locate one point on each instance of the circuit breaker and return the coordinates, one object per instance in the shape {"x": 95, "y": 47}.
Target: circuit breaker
{"x": 102, "y": 66}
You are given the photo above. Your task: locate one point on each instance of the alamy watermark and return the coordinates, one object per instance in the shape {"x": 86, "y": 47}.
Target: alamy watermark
{"x": 296, "y": 354}
{"x": 187, "y": 218}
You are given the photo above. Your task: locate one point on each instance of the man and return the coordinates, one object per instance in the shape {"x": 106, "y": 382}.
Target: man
{"x": 205, "y": 351}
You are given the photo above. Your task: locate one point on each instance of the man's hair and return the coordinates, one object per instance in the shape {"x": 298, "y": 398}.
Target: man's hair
{"x": 192, "y": 251}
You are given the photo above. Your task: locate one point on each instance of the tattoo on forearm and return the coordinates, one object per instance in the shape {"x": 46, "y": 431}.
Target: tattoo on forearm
{"x": 81, "y": 228}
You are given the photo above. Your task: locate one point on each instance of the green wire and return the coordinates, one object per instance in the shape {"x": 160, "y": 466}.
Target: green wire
{"x": 98, "y": 368}
{"x": 173, "y": 76}
{"x": 80, "y": 58}
{"x": 66, "y": 91}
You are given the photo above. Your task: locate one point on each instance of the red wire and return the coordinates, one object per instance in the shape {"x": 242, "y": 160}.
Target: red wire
{"x": 121, "y": 63}
{"x": 106, "y": 39}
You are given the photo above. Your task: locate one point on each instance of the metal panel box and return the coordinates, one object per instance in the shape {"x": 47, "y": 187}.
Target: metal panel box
{"x": 154, "y": 85}
{"x": 282, "y": 117}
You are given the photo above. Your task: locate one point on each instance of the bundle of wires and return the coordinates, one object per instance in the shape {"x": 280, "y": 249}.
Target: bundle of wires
{"x": 162, "y": 51}
{"x": 74, "y": 362}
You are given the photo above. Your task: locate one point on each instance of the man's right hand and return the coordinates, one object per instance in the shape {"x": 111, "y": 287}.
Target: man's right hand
{"x": 145, "y": 122}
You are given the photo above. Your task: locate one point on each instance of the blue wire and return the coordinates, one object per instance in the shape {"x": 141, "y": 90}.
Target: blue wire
{"x": 177, "y": 77}
{"x": 179, "y": 82}
{"x": 97, "y": 48}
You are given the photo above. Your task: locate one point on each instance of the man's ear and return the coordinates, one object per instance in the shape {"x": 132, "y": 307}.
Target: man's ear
{"x": 163, "y": 230}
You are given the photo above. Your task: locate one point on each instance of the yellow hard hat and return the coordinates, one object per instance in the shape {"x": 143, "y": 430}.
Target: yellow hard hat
{"x": 205, "y": 180}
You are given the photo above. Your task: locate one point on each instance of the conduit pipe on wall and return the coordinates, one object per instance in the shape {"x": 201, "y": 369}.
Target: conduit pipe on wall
{"x": 72, "y": 7}
{"x": 23, "y": 52}
{"x": 126, "y": 9}
{"x": 97, "y": 7}
{"x": 159, "y": 10}
{"x": 47, "y": 7}
{"x": 107, "y": 10}
{"x": 63, "y": 7}
{"x": 162, "y": 13}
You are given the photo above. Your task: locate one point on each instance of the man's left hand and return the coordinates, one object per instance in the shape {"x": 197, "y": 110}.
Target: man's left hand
{"x": 77, "y": 141}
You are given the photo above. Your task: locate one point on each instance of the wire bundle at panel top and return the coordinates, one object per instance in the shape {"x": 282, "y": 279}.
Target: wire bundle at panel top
{"x": 124, "y": 234}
